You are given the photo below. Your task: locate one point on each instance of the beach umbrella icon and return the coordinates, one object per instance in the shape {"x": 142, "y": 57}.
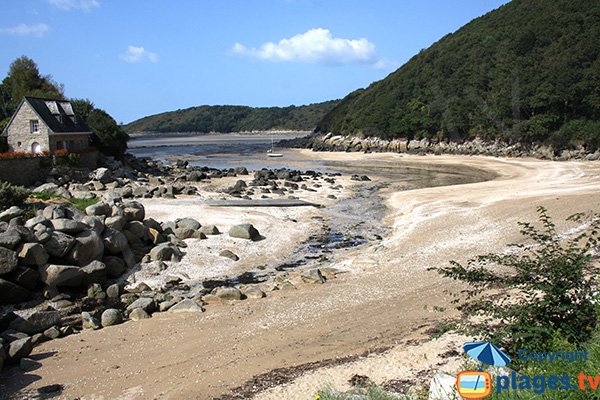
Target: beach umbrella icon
{"x": 487, "y": 353}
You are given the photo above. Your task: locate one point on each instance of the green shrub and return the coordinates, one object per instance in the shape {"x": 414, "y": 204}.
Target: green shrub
{"x": 546, "y": 290}
{"x": 12, "y": 195}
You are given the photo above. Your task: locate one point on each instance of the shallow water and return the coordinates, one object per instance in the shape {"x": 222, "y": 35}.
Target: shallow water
{"x": 351, "y": 222}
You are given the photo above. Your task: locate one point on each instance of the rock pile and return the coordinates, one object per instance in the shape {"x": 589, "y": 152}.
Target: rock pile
{"x": 476, "y": 146}
{"x": 49, "y": 260}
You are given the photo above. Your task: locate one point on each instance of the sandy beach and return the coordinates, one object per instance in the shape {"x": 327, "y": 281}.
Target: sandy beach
{"x": 384, "y": 302}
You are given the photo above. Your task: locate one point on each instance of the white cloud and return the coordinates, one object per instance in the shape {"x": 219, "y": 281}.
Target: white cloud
{"x": 85, "y": 5}
{"x": 316, "y": 46}
{"x": 37, "y": 30}
{"x": 386, "y": 65}
{"x": 138, "y": 54}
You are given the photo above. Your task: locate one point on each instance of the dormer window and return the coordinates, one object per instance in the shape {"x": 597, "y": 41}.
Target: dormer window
{"x": 34, "y": 126}
{"x": 53, "y": 107}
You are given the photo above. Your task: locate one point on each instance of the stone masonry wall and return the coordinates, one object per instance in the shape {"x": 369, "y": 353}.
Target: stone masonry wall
{"x": 21, "y": 171}
{"x": 19, "y": 136}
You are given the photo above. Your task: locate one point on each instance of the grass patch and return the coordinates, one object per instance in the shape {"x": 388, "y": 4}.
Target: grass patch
{"x": 80, "y": 204}
{"x": 370, "y": 393}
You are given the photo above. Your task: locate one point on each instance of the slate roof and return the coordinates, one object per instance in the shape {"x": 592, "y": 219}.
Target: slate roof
{"x": 61, "y": 120}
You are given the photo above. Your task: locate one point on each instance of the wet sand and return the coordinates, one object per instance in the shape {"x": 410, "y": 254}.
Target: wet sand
{"x": 385, "y": 298}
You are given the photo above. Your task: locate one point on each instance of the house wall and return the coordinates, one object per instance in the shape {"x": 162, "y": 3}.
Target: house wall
{"x": 79, "y": 141}
{"x": 19, "y": 136}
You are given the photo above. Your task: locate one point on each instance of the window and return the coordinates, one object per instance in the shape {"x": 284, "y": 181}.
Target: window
{"x": 34, "y": 125}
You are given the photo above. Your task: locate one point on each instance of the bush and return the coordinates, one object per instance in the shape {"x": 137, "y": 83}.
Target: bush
{"x": 11, "y": 195}
{"x": 546, "y": 290}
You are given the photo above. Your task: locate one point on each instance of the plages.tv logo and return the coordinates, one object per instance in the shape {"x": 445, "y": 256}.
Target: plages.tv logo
{"x": 478, "y": 384}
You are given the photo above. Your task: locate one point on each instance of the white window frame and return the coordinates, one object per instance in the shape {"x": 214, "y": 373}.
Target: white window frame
{"x": 34, "y": 123}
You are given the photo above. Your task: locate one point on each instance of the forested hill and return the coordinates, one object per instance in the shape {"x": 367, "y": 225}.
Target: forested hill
{"x": 225, "y": 119}
{"x": 528, "y": 71}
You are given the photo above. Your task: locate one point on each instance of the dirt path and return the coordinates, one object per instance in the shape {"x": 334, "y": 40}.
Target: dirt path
{"x": 380, "y": 303}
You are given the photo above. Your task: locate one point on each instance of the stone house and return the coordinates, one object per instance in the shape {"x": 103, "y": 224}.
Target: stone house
{"x": 45, "y": 124}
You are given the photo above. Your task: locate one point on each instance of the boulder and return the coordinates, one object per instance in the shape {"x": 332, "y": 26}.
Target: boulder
{"x": 67, "y": 225}
{"x": 129, "y": 257}
{"x": 138, "y": 287}
{"x": 59, "y": 244}
{"x": 145, "y": 303}
{"x": 115, "y": 266}
{"x": 9, "y": 239}
{"x": 28, "y": 365}
{"x": 12, "y": 212}
{"x": 137, "y": 314}
{"x": 186, "y": 305}
{"x": 244, "y": 231}
{"x": 110, "y": 317}
{"x": 156, "y": 236}
{"x": 20, "y": 348}
{"x": 94, "y": 272}
{"x": 168, "y": 227}
{"x": 35, "y": 322}
{"x": 46, "y": 188}
{"x": 229, "y": 254}
{"x": 11, "y": 293}
{"x": 113, "y": 291}
{"x": 52, "y": 333}
{"x": 154, "y": 267}
{"x": 114, "y": 241}
{"x": 165, "y": 305}
{"x": 163, "y": 252}
{"x": 227, "y": 293}
{"x": 190, "y": 223}
{"x": 100, "y": 208}
{"x": 137, "y": 229}
{"x": 102, "y": 175}
{"x": 184, "y": 233}
{"x": 61, "y": 275}
{"x": 152, "y": 223}
{"x": 32, "y": 254}
{"x": 25, "y": 276}
{"x": 8, "y": 261}
{"x": 88, "y": 321}
{"x": 94, "y": 223}
{"x": 42, "y": 233}
{"x": 88, "y": 247}
{"x": 54, "y": 211}
{"x": 134, "y": 211}
{"x": 117, "y": 222}
{"x": 209, "y": 230}
{"x": 253, "y": 292}
{"x": 312, "y": 276}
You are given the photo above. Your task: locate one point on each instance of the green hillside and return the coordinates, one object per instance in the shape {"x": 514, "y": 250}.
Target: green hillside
{"x": 528, "y": 71}
{"x": 225, "y": 119}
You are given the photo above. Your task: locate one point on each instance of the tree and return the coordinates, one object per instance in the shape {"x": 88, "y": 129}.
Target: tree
{"x": 108, "y": 136}
{"x": 24, "y": 79}
{"x": 82, "y": 108}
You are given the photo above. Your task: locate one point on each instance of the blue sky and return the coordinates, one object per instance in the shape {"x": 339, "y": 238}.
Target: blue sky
{"x": 139, "y": 57}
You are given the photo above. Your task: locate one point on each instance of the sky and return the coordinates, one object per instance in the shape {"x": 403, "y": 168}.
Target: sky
{"x": 135, "y": 58}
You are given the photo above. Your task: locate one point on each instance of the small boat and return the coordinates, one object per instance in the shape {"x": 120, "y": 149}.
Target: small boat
{"x": 270, "y": 152}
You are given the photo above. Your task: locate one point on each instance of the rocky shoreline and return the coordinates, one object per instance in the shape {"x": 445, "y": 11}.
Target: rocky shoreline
{"x": 64, "y": 269}
{"x": 477, "y": 146}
